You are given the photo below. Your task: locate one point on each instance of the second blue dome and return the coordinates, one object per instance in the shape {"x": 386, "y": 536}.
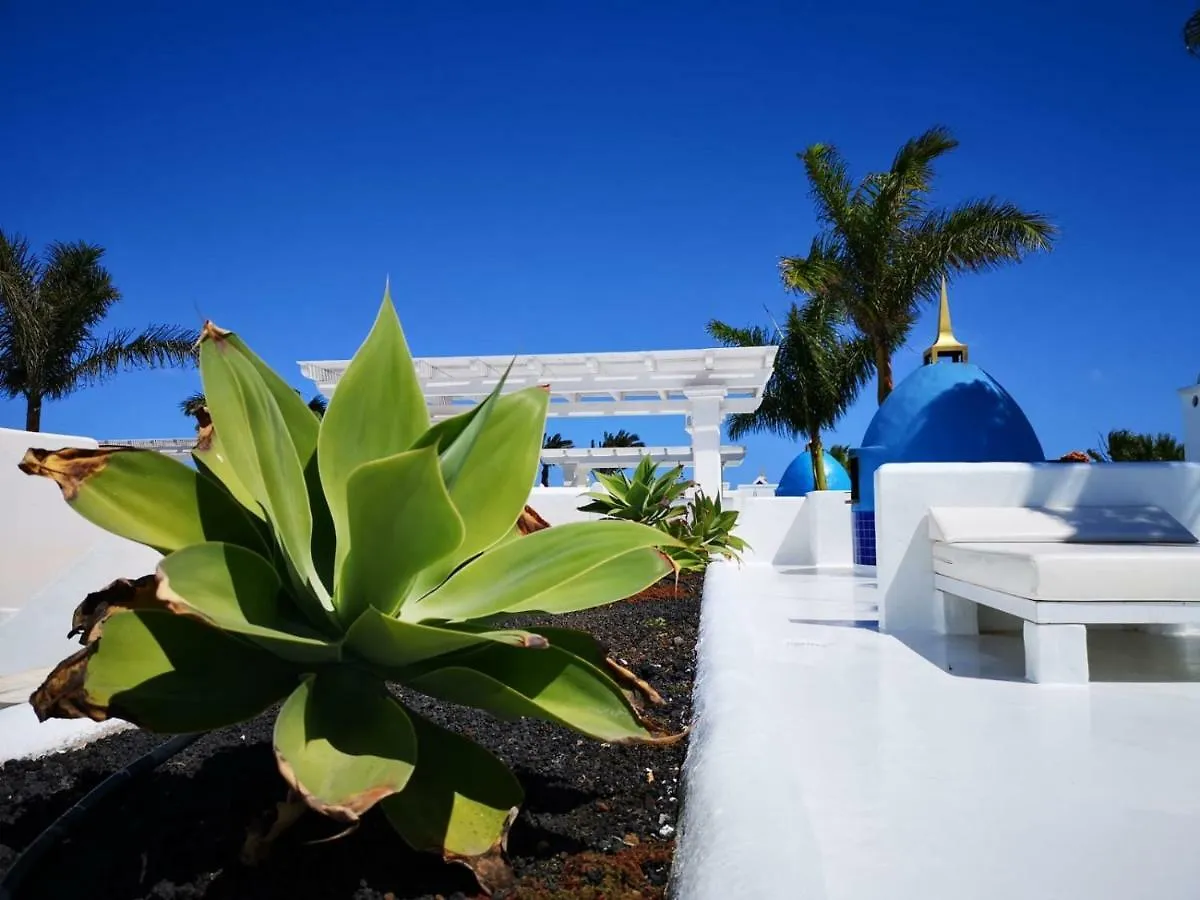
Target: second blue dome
{"x": 798, "y": 478}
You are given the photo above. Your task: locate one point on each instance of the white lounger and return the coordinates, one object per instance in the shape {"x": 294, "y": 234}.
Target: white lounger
{"x": 1061, "y": 570}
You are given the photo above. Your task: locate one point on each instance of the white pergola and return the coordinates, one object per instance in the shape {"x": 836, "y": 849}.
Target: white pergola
{"x": 704, "y": 386}
{"x": 577, "y": 463}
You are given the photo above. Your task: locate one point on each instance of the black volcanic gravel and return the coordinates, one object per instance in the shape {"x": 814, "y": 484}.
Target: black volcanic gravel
{"x": 596, "y": 823}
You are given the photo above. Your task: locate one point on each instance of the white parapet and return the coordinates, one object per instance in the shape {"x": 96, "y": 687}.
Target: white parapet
{"x": 795, "y": 531}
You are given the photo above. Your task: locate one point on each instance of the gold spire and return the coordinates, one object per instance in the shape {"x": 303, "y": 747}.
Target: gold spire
{"x": 947, "y": 348}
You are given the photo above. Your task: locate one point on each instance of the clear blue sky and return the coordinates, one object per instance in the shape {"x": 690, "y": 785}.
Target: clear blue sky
{"x": 556, "y": 177}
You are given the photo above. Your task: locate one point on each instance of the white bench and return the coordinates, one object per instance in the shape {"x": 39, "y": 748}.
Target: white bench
{"x": 1061, "y": 570}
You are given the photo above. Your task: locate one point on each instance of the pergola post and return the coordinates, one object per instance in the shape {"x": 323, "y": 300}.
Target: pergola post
{"x": 704, "y": 425}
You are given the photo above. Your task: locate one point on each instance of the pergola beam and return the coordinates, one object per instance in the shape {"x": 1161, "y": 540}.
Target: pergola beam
{"x": 702, "y": 385}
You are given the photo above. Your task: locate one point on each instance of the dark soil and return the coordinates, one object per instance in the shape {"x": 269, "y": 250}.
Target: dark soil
{"x": 597, "y": 822}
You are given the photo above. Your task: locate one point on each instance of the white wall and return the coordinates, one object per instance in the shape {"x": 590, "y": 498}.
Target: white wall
{"x": 50, "y": 558}
{"x": 904, "y": 492}
{"x": 796, "y": 531}
{"x": 559, "y": 505}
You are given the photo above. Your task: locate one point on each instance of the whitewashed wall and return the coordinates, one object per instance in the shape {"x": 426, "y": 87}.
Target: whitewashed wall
{"x": 50, "y": 558}
{"x": 796, "y": 531}
{"x": 559, "y": 505}
{"x": 904, "y": 493}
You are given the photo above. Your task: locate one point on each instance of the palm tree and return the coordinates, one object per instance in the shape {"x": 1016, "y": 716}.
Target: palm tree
{"x": 553, "y": 442}
{"x": 196, "y": 406}
{"x": 884, "y": 247}
{"x": 1129, "y": 446}
{"x": 50, "y": 309}
{"x": 318, "y": 404}
{"x": 619, "y": 438}
{"x": 841, "y": 452}
{"x": 819, "y": 370}
{"x": 1191, "y": 33}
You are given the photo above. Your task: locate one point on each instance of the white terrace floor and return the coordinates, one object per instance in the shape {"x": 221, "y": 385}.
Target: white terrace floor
{"x": 831, "y": 762}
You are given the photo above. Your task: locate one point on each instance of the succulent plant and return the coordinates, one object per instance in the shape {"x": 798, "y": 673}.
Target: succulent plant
{"x": 645, "y": 497}
{"x": 314, "y": 562}
{"x": 706, "y": 531}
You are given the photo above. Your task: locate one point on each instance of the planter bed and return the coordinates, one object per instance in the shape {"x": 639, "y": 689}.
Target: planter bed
{"x": 597, "y": 822}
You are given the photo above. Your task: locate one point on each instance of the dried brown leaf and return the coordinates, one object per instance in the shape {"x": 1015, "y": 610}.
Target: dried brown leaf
{"x": 69, "y": 467}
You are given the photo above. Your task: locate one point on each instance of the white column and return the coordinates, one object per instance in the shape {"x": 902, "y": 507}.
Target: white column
{"x": 704, "y": 425}
{"x": 1190, "y": 397}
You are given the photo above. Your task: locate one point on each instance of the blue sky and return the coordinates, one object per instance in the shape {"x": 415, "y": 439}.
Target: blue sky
{"x": 556, "y": 177}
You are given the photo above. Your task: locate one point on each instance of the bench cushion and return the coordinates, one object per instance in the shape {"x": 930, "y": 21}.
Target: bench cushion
{"x": 1089, "y": 572}
{"x": 1080, "y": 524}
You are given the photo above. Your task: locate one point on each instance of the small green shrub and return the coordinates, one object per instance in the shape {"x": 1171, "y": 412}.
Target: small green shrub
{"x": 704, "y": 533}
{"x": 701, "y": 529}
{"x": 646, "y": 497}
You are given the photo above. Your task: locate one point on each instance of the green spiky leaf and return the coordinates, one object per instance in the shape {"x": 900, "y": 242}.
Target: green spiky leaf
{"x": 401, "y": 521}
{"x": 263, "y": 455}
{"x": 461, "y": 807}
{"x": 145, "y": 496}
{"x": 170, "y": 673}
{"x": 569, "y": 567}
{"x": 238, "y": 591}
{"x": 377, "y": 411}
{"x": 493, "y": 482}
{"x": 391, "y": 645}
{"x": 550, "y": 684}
{"x": 343, "y": 743}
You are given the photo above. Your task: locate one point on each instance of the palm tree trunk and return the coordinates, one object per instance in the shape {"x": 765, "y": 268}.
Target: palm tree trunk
{"x": 816, "y": 452}
{"x": 33, "y": 412}
{"x": 545, "y": 475}
{"x": 883, "y": 367}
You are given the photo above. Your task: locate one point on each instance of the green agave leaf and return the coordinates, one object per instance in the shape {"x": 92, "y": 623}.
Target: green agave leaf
{"x": 456, "y": 437}
{"x": 493, "y": 482}
{"x": 238, "y": 591}
{"x": 212, "y": 460}
{"x": 459, "y": 802}
{"x": 568, "y": 567}
{"x": 303, "y": 427}
{"x": 551, "y": 684}
{"x": 170, "y": 673}
{"x": 377, "y": 411}
{"x": 263, "y": 455}
{"x": 391, "y": 644}
{"x": 401, "y": 520}
{"x": 145, "y": 496}
{"x": 343, "y": 743}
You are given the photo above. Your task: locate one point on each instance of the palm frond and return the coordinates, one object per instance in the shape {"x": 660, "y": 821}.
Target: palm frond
{"x": 829, "y": 183}
{"x": 912, "y": 167}
{"x": 819, "y": 370}
{"x": 22, "y": 329}
{"x": 983, "y": 234}
{"x": 193, "y": 403}
{"x": 1191, "y": 33}
{"x": 158, "y": 346}
{"x": 318, "y": 404}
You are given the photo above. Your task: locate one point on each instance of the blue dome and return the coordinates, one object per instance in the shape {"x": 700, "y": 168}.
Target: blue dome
{"x": 798, "y": 478}
{"x": 952, "y": 412}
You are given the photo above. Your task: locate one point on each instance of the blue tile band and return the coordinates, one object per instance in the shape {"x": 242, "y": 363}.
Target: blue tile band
{"x": 864, "y": 537}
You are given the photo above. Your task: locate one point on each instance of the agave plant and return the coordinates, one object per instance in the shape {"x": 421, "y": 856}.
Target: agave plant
{"x": 706, "y": 531}
{"x": 646, "y": 497}
{"x": 314, "y": 562}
